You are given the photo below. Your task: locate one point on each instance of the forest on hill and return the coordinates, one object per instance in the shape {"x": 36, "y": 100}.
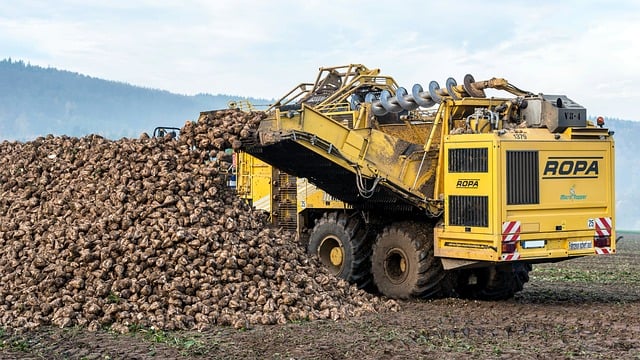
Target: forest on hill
{"x": 627, "y": 173}
{"x": 36, "y": 101}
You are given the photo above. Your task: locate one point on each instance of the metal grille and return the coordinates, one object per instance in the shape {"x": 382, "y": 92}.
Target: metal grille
{"x": 469, "y": 210}
{"x": 523, "y": 182}
{"x": 468, "y": 160}
{"x": 286, "y": 215}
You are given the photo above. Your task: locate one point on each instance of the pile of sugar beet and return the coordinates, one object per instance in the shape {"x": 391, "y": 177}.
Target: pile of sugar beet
{"x": 145, "y": 233}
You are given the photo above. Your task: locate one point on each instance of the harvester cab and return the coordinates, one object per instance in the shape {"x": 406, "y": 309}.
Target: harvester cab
{"x": 162, "y": 131}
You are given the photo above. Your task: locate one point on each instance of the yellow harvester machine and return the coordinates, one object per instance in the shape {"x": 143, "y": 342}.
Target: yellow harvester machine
{"x": 448, "y": 190}
{"x": 293, "y": 204}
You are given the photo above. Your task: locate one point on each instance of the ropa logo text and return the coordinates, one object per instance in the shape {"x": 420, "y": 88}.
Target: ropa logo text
{"x": 586, "y": 168}
{"x": 467, "y": 183}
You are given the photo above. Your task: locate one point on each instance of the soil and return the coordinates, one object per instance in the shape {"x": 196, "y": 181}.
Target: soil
{"x": 586, "y": 308}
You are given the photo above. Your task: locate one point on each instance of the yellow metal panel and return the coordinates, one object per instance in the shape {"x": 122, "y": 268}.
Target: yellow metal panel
{"x": 256, "y": 184}
{"x": 471, "y": 183}
{"x": 576, "y": 180}
{"x": 254, "y": 181}
{"x": 575, "y": 188}
{"x": 375, "y": 153}
{"x": 465, "y": 245}
{"x": 310, "y": 197}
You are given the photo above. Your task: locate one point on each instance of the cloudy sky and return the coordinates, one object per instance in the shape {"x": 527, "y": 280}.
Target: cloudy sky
{"x": 585, "y": 49}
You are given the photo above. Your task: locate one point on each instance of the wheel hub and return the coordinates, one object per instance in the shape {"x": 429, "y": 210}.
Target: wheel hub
{"x": 331, "y": 254}
{"x": 396, "y": 266}
{"x": 336, "y": 256}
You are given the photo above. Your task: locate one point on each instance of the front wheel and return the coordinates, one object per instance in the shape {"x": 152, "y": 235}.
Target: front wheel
{"x": 403, "y": 264}
{"x": 341, "y": 243}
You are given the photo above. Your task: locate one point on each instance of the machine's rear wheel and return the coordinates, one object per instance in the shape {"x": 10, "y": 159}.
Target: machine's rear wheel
{"x": 341, "y": 243}
{"x": 403, "y": 264}
{"x": 498, "y": 282}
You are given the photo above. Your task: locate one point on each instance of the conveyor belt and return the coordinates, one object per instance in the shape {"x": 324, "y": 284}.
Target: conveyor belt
{"x": 337, "y": 181}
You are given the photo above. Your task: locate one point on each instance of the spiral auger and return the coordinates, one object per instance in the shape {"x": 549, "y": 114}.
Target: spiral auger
{"x": 385, "y": 102}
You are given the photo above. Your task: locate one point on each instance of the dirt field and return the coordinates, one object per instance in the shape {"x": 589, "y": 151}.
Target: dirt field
{"x": 587, "y": 308}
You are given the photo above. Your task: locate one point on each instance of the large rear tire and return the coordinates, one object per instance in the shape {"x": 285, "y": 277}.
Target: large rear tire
{"x": 403, "y": 264}
{"x": 341, "y": 243}
{"x": 499, "y": 282}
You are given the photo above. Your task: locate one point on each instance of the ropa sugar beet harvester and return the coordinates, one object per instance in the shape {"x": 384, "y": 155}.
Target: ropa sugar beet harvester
{"x": 445, "y": 190}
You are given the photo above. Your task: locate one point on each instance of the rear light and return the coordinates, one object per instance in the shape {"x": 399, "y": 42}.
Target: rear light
{"x": 602, "y": 241}
{"x": 508, "y": 247}
{"x": 600, "y": 121}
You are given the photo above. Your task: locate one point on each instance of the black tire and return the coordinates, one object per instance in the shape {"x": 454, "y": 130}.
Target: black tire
{"x": 499, "y": 282}
{"x": 403, "y": 264}
{"x": 344, "y": 236}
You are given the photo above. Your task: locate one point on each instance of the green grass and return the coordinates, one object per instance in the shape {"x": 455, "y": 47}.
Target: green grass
{"x": 12, "y": 342}
{"x": 188, "y": 345}
{"x": 620, "y": 268}
{"x": 581, "y": 275}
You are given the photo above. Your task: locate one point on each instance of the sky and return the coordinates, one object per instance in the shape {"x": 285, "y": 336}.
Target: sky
{"x": 583, "y": 49}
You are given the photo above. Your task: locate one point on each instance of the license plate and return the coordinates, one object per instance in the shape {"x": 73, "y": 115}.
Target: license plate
{"x": 580, "y": 245}
{"x": 533, "y": 244}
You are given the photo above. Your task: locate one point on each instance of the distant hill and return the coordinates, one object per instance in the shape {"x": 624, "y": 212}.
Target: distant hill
{"x": 627, "y": 173}
{"x": 36, "y": 101}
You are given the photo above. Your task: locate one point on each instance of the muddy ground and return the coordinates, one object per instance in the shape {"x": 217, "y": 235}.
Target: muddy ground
{"x": 587, "y": 308}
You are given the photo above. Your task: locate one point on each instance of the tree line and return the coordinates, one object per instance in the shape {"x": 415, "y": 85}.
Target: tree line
{"x": 36, "y": 101}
